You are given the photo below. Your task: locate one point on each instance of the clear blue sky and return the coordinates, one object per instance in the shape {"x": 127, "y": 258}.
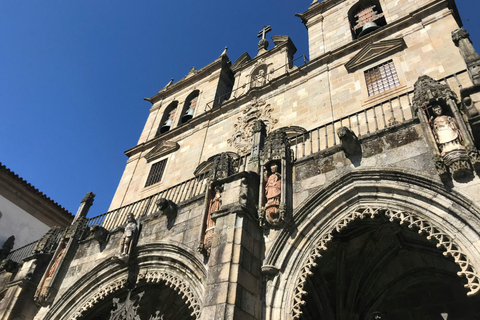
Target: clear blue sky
{"x": 74, "y": 74}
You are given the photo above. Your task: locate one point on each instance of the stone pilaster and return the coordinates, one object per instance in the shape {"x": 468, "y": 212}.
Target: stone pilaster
{"x": 234, "y": 284}
{"x": 461, "y": 38}
{"x": 258, "y": 140}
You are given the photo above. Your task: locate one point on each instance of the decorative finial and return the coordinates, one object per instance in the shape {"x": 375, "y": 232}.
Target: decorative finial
{"x": 224, "y": 53}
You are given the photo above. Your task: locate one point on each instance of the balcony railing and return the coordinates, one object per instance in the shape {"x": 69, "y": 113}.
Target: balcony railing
{"x": 21, "y": 253}
{"x": 367, "y": 121}
{"x": 181, "y": 192}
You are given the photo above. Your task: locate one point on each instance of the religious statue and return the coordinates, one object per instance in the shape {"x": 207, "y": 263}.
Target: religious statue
{"x": 55, "y": 264}
{"x": 259, "y": 78}
{"x": 128, "y": 235}
{"x": 273, "y": 189}
{"x": 213, "y": 206}
{"x": 446, "y": 131}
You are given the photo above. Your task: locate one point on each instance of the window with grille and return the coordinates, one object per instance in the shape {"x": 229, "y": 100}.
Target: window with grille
{"x": 381, "y": 78}
{"x": 156, "y": 173}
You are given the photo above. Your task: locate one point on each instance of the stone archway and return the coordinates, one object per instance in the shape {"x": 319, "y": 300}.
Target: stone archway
{"x": 160, "y": 270}
{"x": 406, "y": 200}
{"x": 148, "y": 301}
{"x": 380, "y": 260}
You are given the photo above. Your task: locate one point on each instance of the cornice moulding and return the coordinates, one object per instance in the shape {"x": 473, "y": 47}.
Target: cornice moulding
{"x": 187, "y": 81}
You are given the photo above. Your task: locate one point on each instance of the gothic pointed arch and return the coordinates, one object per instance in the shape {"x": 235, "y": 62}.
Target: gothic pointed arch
{"x": 164, "y": 265}
{"x": 403, "y": 199}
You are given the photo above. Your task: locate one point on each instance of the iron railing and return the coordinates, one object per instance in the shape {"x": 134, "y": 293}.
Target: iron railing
{"x": 21, "y": 253}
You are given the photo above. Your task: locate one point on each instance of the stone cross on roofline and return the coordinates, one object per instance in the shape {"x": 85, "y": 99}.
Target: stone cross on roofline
{"x": 263, "y": 43}
{"x": 264, "y": 31}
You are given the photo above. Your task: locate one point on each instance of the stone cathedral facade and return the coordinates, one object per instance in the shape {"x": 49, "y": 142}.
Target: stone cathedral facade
{"x": 344, "y": 188}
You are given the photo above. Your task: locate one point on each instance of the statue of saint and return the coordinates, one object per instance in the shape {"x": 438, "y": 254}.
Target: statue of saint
{"x": 214, "y": 205}
{"x": 260, "y": 78}
{"x": 128, "y": 235}
{"x": 446, "y": 131}
{"x": 55, "y": 264}
{"x": 273, "y": 189}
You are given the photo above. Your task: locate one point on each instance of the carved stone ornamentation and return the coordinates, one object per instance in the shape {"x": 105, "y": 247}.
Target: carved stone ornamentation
{"x": 126, "y": 310}
{"x": 438, "y": 108}
{"x": 428, "y": 90}
{"x": 243, "y": 129}
{"x": 129, "y": 234}
{"x": 98, "y": 233}
{"x": 350, "y": 142}
{"x": 8, "y": 265}
{"x": 213, "y": 205}
{"x": 99, "y": 295}
{"x": 425, "y": 227}
{"x": 166, "y": 208}
{"x": 48, "y": 243}
{"x": 275, "y": 160}
{"x": 177, "y": 284}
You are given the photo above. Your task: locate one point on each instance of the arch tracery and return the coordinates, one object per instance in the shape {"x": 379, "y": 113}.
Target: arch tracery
{"x": 158, "y": 264}
{"x": 410, "y": 200}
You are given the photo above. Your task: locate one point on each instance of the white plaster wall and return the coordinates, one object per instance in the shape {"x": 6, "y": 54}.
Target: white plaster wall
{"x": 19, "y": 223}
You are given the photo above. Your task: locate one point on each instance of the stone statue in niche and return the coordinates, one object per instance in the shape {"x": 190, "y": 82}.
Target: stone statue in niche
{"x": 260, "y": 78}
{"x": 446, "y": 131}
{"x": 273, "y": 190}
{"x": 55, "y": 264}
{"x": 214, "y": 205}
{"x": 128, "y": 235}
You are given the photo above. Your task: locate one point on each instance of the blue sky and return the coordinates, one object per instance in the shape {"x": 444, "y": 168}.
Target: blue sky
{"x": 74, "y": 74}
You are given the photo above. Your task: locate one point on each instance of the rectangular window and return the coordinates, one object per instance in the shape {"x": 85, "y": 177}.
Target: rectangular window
{"x": 156, "y": 173}
{"x": 381, "y": 78}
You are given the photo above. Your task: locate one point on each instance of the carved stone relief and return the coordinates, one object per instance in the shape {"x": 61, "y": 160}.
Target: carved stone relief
{"x": 424, "y": 226}
{"x": 243, "y": 129}
{"x": 275, "y": 159}
{"x": 213, "y": 205}
{"x": 438, "y": 108}
{"x": 129, "y": 234}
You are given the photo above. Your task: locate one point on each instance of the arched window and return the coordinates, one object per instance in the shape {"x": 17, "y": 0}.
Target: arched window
{"x": 365, "y": 16}
{"x": 189, "y": 107}
{"x": 167, "y": 118}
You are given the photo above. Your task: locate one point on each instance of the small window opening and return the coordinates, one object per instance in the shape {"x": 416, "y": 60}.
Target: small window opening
{"x": 156, "y": 173}
{"x": 381, "y": 78}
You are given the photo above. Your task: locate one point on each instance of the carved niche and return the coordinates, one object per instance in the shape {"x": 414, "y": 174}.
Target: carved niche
{"x": 243, "y": 130}
{"x": 213, "y": 204}
{"x": 275, "y": 177}
{"x": 219, "y": 166}
{"x": 439, "y": 111}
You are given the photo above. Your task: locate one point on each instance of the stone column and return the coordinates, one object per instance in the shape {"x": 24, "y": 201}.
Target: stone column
{"x": 58, "y": 265}
{"x": 461, "y": 38}
{"x": 234, "y": 281}
{"x": 259, "y": 133}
